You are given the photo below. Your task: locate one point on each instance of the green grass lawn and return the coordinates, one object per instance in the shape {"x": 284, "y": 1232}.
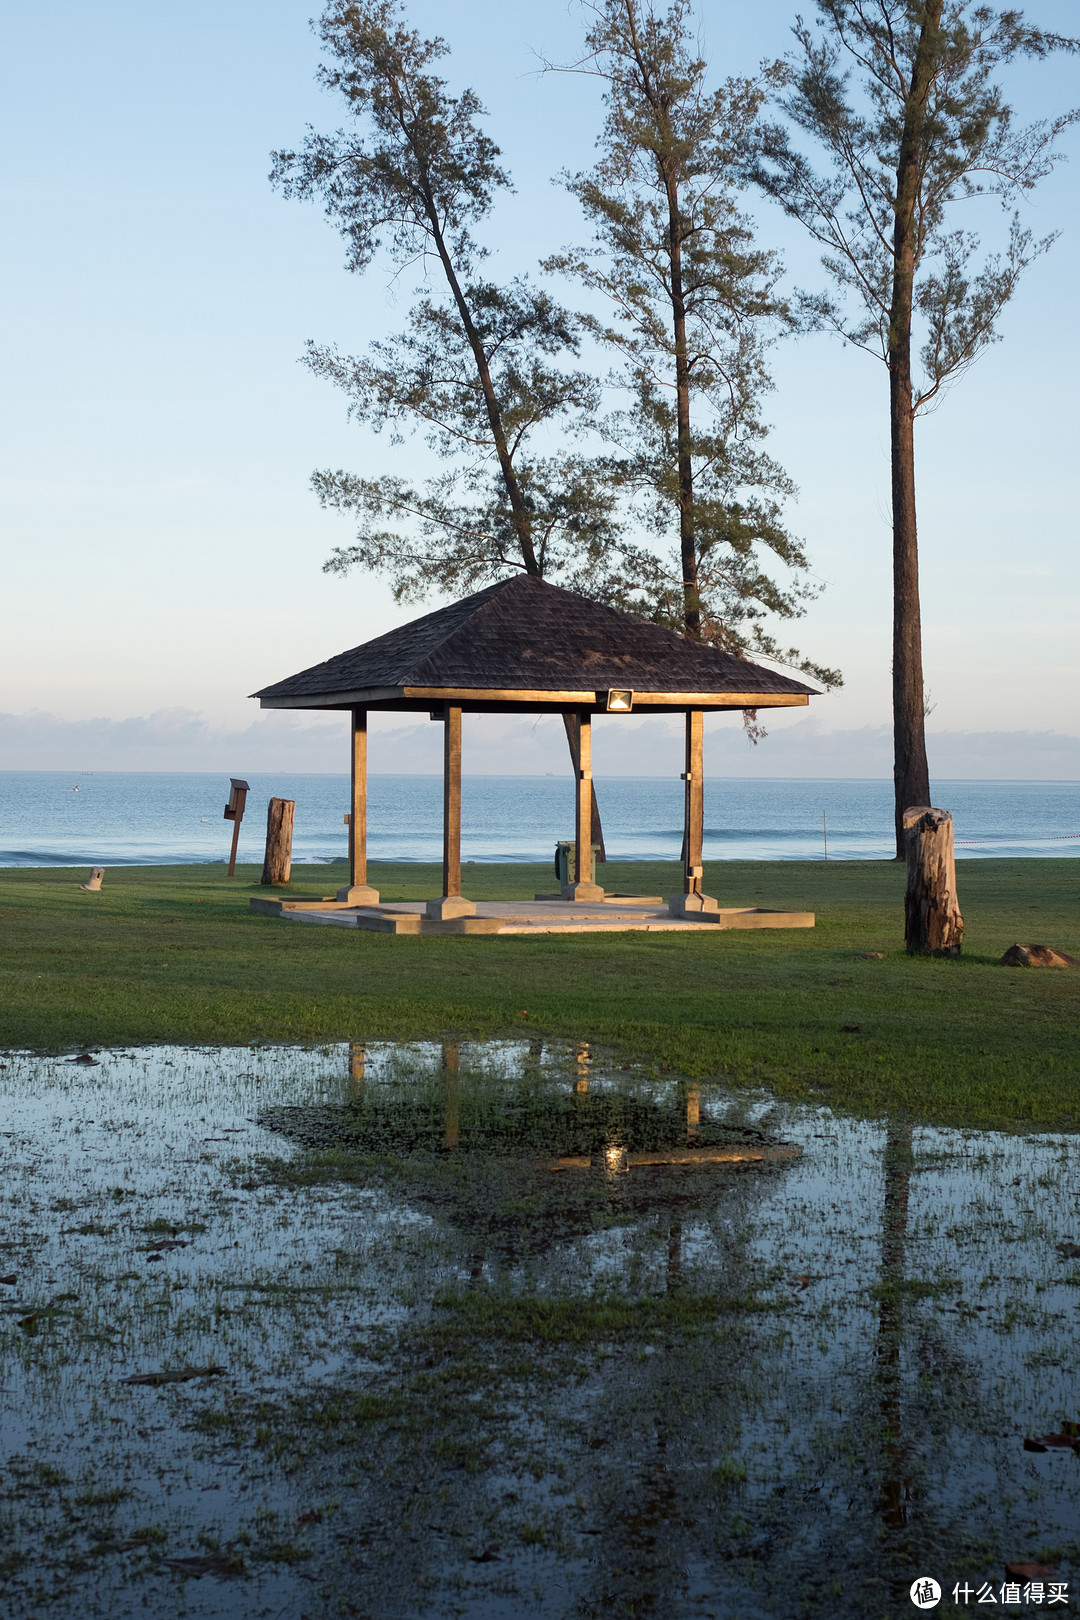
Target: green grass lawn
{"x": 173, "y": 954}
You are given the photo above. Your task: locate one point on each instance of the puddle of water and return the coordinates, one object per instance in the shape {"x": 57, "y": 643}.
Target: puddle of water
{"x": 506, "y": 1331}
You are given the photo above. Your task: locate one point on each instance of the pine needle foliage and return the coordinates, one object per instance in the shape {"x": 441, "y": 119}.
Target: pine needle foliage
{"x": 691, "y": 308}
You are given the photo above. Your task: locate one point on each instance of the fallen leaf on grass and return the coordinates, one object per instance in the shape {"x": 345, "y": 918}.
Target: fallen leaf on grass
{"x": 199, "y": 1564}
{"x": 1030, "y": 1572}
{"x": 851, "y": 1029}
{"x": 1033, "y": 1445}
{"x": 13, "y": 1278}
{"x": 1068, "y": 1250}
{"x": 312, "y": 1516}
{"x": 174, "y": 1376}
{"x": 27, "y": 1323}
{"x": 154, "y": 1256}
{"x": 488, "y": 1556}
{"x": 171, "y": 1243}
{"x": 871, "y": 956}
{"x": 802, "y": 1283}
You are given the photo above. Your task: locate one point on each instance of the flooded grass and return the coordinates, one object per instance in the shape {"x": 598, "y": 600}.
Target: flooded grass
{"x": 509, "y": 1329}
{"x": 838, "y": 1012}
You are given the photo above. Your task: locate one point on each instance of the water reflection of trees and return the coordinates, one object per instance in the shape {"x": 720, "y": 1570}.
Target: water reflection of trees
{"x": 636, "y": 1426}
{"x": 663, "y": 1437}
{"x": 872, "y": 1493}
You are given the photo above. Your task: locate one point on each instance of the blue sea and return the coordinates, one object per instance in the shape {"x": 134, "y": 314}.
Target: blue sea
{"x": 116, "y": 818}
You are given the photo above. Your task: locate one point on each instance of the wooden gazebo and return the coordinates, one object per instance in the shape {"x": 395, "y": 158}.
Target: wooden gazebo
{"x": 525, "y": 646}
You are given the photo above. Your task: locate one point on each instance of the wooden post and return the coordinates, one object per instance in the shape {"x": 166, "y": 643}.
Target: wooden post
{"x": 451, "y": 859}
{"x": 358, "y": 800}
{"x": 933, "y": 925}
{"x": 693, "y": 900}
{"x": 234, "y": 812}
{"x": 572, "y": 726}
{"x": 452, "y": 903}
{"x": 583, "y": 861}
{"x": 695, "y": 802}
{"x": 359, "y": 892}
{"x": 585, "y": 887}
{"x": 277, "y": 861}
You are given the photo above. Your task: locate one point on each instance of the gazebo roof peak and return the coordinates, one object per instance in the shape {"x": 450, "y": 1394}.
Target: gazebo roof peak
{"x": 522, "y": 643}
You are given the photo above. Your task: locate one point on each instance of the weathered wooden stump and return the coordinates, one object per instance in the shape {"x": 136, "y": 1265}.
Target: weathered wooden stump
{"x": 933, "y": 925}
{"x": 277, "y": 862}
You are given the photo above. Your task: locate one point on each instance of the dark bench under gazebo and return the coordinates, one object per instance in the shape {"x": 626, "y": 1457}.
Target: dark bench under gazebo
{"x": 525, "y": 646}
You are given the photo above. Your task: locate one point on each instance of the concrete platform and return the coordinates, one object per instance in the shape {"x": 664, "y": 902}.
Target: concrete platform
{"x": 616, "y": 914}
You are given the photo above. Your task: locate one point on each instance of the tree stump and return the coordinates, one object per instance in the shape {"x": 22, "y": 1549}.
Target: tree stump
{"x": 933, "y": 925}
{"x": 277, "y": 862}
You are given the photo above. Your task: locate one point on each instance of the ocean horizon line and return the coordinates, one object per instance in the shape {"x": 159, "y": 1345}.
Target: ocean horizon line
{"x": 542, "y": 776}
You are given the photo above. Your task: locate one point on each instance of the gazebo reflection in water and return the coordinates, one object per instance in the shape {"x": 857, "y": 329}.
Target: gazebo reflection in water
{"x": 525, "y": 1144}
{"x": 648, "y": 1132}
{"x": 523, "y": 646}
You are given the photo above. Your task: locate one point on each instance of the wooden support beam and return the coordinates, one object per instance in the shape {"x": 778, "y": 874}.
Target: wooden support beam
{"x": 358, "y": 804}
{"x": 451, "y": 859}
{"x": 695, "y": 803}
{"x": 452, "y": 903}
{"x": 583, "y": 800}
{"x": 572, "y": 727}
{"x": 693, "y": 900}
{"x": 585, "y": 887}
{"x": 483, "y": 699}
{"x": 359, "y": 891}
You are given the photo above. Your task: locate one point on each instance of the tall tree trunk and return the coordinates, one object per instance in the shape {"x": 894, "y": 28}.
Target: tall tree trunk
{"x": 687, "y": 537}
{"x": 669, "y": 179}
{"x": 520, "y": 515}
{"x": 911, "y": 777}
{"x": 519, "y": 511}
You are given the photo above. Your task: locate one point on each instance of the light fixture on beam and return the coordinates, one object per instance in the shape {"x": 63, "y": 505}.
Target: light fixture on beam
{"x": 620, "y": 702}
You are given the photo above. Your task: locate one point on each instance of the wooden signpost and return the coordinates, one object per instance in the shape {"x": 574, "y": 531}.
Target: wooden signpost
{"x": 234, "y": 812}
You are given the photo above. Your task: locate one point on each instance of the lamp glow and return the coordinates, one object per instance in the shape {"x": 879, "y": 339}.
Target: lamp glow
{"x": 620, "y": 702}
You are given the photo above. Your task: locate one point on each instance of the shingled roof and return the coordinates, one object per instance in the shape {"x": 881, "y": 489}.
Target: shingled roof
{"x": 523, "y": 636}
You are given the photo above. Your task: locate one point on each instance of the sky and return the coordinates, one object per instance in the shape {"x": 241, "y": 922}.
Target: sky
{"x": 162, "y": 549}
